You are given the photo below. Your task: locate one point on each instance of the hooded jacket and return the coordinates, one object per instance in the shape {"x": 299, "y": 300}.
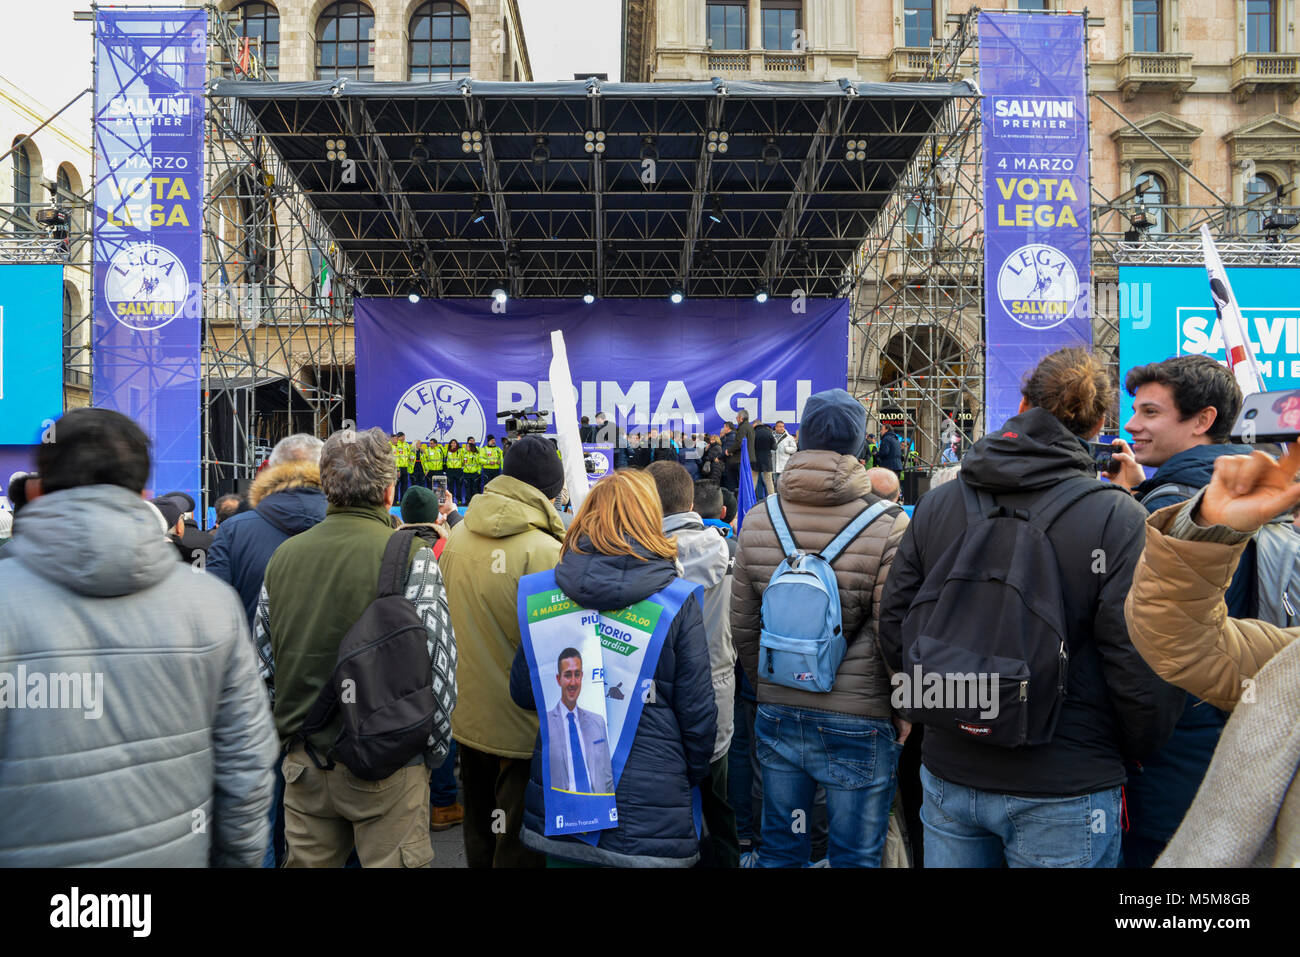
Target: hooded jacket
{"x": 286, "y": 499}
{"x": 1115, "y": 707}
{"x": 705, "y": 559}
{"x": 674, "y": 740}
{"x": 1247, "y": 811}
{"x": 509, "y": 530}
{"x": 889, "y": 454}
{"x": 183, "y": 735}
{"x": 821, "y": 491}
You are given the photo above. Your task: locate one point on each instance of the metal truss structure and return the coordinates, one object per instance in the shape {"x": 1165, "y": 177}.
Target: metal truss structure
{"x": 277, "y": 345}
{"x": 917, "y": 358}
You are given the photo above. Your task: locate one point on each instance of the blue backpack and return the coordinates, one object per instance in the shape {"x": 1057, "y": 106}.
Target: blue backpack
{"x": 802, "y": 641}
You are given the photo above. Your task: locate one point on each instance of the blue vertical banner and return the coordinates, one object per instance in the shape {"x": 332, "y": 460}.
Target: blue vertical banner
{"x": 150, "y": 69}
{"x": 1037, "y": 230}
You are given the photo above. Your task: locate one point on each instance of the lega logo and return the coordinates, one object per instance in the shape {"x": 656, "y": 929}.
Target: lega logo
{"x": 439, "y": 410}
{"x": 1038, "y": 286}
{"x": 145, "y": 286}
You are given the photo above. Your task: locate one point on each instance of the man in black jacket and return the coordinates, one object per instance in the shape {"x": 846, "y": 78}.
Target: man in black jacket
{"x": 890, "y": 452}
{"x": 983, "y": 804}
{"x": 764, "y": 443}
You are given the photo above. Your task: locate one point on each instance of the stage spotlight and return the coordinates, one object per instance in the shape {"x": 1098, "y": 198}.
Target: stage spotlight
{"x": 471, "y": 141}
{"x": 419, "y": 152}
{"x": 593, "y": 141}
{"x": 499, "y": 295}
{"x": 589, "y": 296}
{"x": 541, "y": 151}
{"x": 1276, "y": 222}
{"x": 855, "y": 150}
{"x": 413, "y": 298}
{"x": 478, "y": 215}
{"x": 715, "y": 208}
{"x": 760, "y": 297}
{"x": 648, "y": 149}
{"x": 771, "y": 152}
{"x": 717, "y": 141}
{"x": 676, "y": 297}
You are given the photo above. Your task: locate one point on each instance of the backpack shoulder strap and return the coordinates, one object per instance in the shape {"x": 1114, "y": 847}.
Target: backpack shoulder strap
{"x": 855, "y": 528}
{"x": 1169, "y": 488}
{"x": 780, "y": 526}
{"x": 980, "y": 505}
{"x": 392, "y": 570}
{"x": 1054, "y": 503}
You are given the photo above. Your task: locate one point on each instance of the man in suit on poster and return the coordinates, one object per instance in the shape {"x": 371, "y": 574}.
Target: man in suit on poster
{"x": 579, "y": 745}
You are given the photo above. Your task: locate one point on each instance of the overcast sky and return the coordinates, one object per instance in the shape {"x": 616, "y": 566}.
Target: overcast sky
{"x": 47, "y": 55}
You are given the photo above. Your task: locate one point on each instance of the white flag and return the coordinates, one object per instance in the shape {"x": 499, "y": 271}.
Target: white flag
{"x": 1236, "y": 340}
{"x": 565, "y": 401}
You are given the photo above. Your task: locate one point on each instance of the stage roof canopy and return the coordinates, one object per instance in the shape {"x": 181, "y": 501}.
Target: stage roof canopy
{"x": 529, "y": 209}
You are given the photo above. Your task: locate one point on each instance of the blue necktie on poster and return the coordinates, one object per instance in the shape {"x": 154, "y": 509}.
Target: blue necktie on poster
{"x": 580, "y": 781}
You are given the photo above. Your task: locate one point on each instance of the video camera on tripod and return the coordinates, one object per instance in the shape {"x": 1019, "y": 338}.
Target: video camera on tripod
{"x": 521, "y": 422}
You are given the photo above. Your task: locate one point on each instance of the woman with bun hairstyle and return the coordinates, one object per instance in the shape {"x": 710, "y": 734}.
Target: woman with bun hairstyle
{"x": 1052, "y": 804}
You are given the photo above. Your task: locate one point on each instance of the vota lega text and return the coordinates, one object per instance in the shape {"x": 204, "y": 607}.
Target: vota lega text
{"x": 153, "y": 201}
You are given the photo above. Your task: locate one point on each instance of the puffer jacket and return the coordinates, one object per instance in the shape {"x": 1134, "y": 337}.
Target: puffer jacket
{"x": 820, "y": 493}
{"x": 286, "y": 499}
{"x": 1115, "y": 707}
{"x": 1247, "y": 811}
{"x": 674, "y": 739}
{"x": 509, "y": 530}
{"x": 176, "y": 769}
{"x": 705, "y": 559}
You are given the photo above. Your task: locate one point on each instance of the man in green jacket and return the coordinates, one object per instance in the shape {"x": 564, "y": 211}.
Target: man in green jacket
{"x": 318, "y": 583}
{"x": 510, "y": 530}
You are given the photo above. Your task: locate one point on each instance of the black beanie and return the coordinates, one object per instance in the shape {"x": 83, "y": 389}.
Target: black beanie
{"x": 419, "y": 505}
{"x": 533, "y": 460}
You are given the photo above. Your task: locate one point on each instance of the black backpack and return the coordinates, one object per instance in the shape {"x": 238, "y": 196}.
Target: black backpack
{"x": 382, "y": 683}
{"x": 993, "y": 606}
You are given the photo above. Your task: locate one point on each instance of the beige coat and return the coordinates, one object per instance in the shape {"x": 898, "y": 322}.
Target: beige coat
{"x": 1247, "y": 811}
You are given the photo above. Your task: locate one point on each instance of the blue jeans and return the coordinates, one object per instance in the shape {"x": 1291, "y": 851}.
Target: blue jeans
{"x": 853, "y": 758}
{"x": 443, "y": 789}
{"x": 966, "y": 827}
{"x": 742, "y": 771}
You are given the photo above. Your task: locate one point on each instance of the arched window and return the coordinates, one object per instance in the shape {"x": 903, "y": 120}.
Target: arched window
{"x": 345, "y": 36}
{"x": 1155, "y": 197}
{"x": 22, "y": 177}
{"x": 64, "y": 181}
{"x": 260, "y": 22}
{"x": 74, "y": 365}
{"x": 1257, "y": 187}
{"x": 439, "y": 43}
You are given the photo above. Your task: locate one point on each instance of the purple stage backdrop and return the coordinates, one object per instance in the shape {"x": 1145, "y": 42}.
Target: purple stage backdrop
{"x": 445, "y": 368}
{"x": 1037, "y": 230}
{"x": 150, "y": 67}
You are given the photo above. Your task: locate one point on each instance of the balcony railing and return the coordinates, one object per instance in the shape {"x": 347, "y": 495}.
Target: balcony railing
{"x": 1140, "y": 72}
{"x": 910, "y": 64}
{"x": 1253, "y": 70}
{"x": 729, "y": 62}
{"x": 785, "y": 63}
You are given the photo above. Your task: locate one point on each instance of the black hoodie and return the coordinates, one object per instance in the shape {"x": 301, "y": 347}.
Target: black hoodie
{"x": 1115, "y": 707}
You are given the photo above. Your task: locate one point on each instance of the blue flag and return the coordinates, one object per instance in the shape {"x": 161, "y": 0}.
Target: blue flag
{"x": 745, "y": 498}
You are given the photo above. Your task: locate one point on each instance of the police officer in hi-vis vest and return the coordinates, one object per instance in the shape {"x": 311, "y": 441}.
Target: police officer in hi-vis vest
{"x": 493, "y": 456}
{"x": 455, "y": 477}
{"x": 437, "y": 463}
{"x": 473, "y": 468}
{"x": 424, "y": 459}
{"x": 402, "y": 457}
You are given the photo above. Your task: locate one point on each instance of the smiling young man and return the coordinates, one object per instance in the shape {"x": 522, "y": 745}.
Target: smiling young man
{"x": 1183, "y": 412}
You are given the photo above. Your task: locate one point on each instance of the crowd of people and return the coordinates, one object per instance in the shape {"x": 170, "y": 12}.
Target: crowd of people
{"x": 313, "y": 683}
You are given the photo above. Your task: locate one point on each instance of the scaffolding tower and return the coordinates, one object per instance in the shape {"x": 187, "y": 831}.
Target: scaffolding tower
{"x": 277, "y": 343}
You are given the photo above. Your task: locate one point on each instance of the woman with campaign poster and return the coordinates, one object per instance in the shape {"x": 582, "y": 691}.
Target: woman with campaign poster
{"x": 615, "y": 660}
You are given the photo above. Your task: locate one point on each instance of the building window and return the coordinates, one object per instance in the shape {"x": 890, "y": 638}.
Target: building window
{"x": 22, "y": 177}
{"x": 918, "y": 222}
{"x": 345, "y": 36}
{"x": 781, "y": 18}
{"x": 1261, "y": 26}
{"x": 727, "y": 23}
{"x": 1154, "y": 196}
{"x": 439, "y": 42}
{"x": 1256, "y": 188}
{"x": 1147, "y": 33}
{"x": 1032, "y": 5}
{"x": 261, "y": 22}
{"x": 918, "y": 22}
